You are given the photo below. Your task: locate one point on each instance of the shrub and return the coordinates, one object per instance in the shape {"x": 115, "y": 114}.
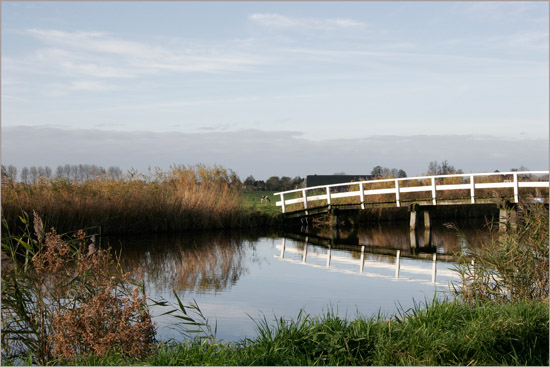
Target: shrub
{"x": 63, "y": 297}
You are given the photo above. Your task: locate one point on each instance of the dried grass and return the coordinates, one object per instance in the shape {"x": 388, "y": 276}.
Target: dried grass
{"x": 63, "y": 298}
{"x": 184, "y": 198}
{"x": 511, "y": 266}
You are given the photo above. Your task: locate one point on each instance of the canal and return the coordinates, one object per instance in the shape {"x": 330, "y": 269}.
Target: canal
{"x": 239, "y": 277}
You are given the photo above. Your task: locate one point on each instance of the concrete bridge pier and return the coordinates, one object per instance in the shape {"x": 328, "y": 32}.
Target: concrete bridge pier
{"x": 412, "y": 235}
{"x": 415, "y": 211}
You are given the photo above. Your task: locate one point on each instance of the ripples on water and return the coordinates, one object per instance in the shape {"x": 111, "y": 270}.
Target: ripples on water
{"x": 235, "y": 276}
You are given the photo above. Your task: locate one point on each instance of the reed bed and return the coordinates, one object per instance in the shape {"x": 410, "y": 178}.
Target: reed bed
{"x": 512, "y": 265}
{"x": 184, "y": 198}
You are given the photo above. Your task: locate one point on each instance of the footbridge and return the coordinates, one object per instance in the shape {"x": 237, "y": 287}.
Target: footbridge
{"x": 499, "y": 188}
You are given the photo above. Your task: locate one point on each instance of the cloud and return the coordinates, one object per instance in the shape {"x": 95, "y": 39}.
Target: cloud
{"x": 509, "y": 11}
{"x": 100, "y": 42}
{"x": 266, "y": 153}
{"x": 181, "y": 103}
{"x": 91, "y": 85}
{"x": 70, "y": 54}
{"x": 278, "y": 21}
{"x": 536, "y": 40}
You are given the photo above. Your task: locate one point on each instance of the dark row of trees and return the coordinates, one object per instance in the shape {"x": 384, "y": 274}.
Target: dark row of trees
{"x": 83, "y": 172}
{"x": 434, "y": 168}
{"x": 274, "y": 183}
{"x": 73, "y": 172}
{"x": 443, "y": 168}
{"x": 380, "y": 171}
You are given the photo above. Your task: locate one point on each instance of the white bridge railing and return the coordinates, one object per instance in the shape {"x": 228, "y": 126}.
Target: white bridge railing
{"x": 435, "y": 184}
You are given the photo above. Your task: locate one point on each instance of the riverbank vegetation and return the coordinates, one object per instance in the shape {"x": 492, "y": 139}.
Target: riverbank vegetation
{"x": 55, "y": 290}
{"x": 64, "y": 297}
{"x": 184, "y": 198}
{"x": 439, "y": 333}
{"x": 513, "y": 265}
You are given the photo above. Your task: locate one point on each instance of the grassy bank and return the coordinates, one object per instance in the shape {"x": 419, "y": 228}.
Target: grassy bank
{"x": 184, "y": 198}
{"x": 442, "y": 333}
{"x": 252, "y": 201}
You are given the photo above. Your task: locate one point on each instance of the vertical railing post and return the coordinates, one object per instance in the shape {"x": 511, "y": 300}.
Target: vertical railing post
{"x": 397, "y": 193}
{"x": 472, "y": 190}
{"x": 434, "y": 197}
{"x": 305, "y": 198}
{"x": 283, "y": 202}
{"x": 516, "y": 188}
{"x": 328, "y": 195}
{"x": 362, "y": 195}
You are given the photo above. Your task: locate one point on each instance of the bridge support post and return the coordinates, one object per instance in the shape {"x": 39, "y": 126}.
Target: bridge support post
{"x": 412, "y": 222}
{"x": 413, "y": 209}
{"x": 427, "y": 237}
{"x": 426, "y": 219}
{"x": 412, "y": 235}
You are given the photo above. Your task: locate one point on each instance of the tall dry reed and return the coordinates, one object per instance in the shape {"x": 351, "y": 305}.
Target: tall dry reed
{"x": 184, "y": 198}
{"x": 511, "y": 266}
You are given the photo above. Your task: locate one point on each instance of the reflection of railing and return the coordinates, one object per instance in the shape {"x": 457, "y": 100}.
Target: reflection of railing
{"x": 410, "y": 243}
{"x": 398, "y": 186}
{"x": 397, "y": 268}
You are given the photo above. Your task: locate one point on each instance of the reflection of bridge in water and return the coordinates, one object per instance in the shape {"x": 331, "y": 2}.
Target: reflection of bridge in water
{"x": 386, "y": 251}
{"x": 369, "y": 261}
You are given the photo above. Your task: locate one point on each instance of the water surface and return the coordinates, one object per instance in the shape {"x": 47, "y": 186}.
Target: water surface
{"x": 235, "y": 277}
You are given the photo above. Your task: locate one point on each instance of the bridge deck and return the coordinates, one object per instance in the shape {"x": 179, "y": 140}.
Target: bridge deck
{"x": 483, "y": 188}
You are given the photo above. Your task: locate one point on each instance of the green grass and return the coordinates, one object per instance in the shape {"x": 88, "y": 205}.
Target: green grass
{"x": 252, "y": 202}
{"x": 441, "y": 333}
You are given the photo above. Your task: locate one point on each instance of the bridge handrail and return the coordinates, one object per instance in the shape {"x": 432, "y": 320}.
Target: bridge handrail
{"x": 417, "y": 178}
{"x": 514, "y": 174}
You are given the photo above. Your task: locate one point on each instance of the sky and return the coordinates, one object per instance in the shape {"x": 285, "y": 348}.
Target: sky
{"x": 276, "y": 88}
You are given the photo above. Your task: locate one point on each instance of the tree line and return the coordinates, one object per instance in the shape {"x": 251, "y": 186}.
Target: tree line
{"x": 274, "y": 183}
{"x": 83, "y": 172}
{"x": 72, "y": 172}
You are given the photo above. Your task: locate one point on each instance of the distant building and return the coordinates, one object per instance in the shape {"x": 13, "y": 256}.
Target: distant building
{"x": 320, "y": 180}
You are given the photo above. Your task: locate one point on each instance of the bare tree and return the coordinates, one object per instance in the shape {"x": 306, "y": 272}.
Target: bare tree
{"x": 11, "y": 171}
{"x": 33, "y": 173}
{"x": 114, "y": 173}
{"x": 25, "y": 175}
{"x": 445, "y": 168}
